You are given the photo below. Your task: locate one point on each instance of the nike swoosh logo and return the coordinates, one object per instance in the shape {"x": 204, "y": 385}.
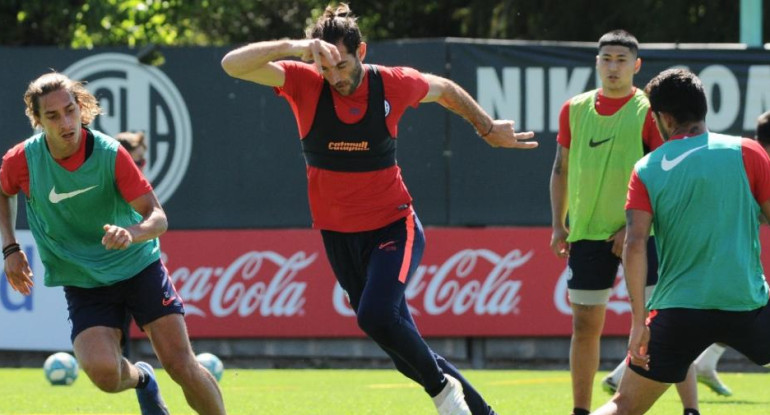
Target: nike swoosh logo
{"x": 386, "y": 244}
{"x": 667, "y": 165}
{"x": 592, "y": 143}
{"x": 167, "y": 301}
{"x": 58, "y": 197}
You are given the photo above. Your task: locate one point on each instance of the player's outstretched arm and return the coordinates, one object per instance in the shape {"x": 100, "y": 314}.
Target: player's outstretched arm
{"x": 497, "y": 133}
{"x": 255, "y": 62}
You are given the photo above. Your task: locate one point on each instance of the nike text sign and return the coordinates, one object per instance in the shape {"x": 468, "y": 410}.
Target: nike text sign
{"x": 471, "y": 282}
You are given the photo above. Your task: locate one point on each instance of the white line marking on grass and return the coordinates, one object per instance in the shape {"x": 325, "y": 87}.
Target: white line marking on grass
{"x": 393, "y": 386}
{"x": 530, "y": 381}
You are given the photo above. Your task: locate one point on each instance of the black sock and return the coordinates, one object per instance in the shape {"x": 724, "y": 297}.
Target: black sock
{"x": 144, "y": 378}
{"x": 690, "y": 411}
{"x": 435, "y": 393}
{"x": 580, "y": 411}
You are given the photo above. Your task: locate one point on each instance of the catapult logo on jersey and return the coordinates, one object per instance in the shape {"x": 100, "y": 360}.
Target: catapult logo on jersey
{"x": 139, "y": 97}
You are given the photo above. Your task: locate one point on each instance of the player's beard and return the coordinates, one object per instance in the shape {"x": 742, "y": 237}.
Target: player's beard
{"x": 356, "y": 78}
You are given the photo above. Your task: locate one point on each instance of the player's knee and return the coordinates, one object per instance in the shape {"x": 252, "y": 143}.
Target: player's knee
{"x": 588, "y": 322}
{"x": 374, "y": 322}
{"x": 104, "y": 375}
{"x": 624, "y": 404}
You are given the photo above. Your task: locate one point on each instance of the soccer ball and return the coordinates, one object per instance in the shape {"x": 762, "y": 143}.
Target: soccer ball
{"x": 61, "y": 368}
{"x": 212, "y": 364}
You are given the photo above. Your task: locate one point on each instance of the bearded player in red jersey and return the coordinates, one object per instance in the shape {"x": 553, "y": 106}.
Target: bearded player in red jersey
{"x": 348, "y": 114}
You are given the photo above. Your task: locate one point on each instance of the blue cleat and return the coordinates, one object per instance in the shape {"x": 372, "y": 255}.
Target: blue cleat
{"x": 149, "y": 398}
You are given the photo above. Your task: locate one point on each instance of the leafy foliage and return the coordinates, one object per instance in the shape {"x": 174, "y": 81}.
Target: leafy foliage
{"x": 88, "y": 23}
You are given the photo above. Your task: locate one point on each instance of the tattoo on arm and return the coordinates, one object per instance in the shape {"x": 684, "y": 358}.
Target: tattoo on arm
{"x": 461, "y": 103}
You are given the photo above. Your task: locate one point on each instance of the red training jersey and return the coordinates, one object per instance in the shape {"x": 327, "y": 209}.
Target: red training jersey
{"x": 403, "y": 87}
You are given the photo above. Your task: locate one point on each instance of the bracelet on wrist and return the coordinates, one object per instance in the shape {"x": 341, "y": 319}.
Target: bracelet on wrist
{"x": 10, "y": 249}
{"x": 491, "y": 126}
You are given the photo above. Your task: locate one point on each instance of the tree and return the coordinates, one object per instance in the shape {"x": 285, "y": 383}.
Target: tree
{"x": 84, "y": 23}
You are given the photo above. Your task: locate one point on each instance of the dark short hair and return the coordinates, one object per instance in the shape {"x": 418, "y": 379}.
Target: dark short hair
{"x": 337, "y": 24}
{"x": 763, "y": 129}
{"x": 678, "y": 92}
{"x": 620, "y": 38}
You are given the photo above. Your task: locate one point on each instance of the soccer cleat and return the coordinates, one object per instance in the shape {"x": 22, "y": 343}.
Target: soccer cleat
{"x": 150, "y": 401}
{"x": 609, "y": 385}
{"x": 711, "y": 380}
{"x": 451, "y": 399}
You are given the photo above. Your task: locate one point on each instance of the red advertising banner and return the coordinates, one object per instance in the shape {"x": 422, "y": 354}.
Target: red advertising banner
{"x": 471, "y": 282}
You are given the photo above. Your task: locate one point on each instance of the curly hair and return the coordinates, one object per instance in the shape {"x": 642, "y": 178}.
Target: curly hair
{"x": 54, "y": 81}
{"x": 335, "y": 24}
{"x": 678, "y": 92}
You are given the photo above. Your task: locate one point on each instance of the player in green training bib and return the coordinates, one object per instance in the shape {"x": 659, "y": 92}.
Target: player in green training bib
{"x": 711, "y": 285}
{"x": 96, "y": 222}
{"x": 602, "y": 133}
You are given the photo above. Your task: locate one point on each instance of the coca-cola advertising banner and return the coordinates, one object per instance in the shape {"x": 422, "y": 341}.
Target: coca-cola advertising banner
{"x": 277, "y": 283}
{"x": 471, "y": 282}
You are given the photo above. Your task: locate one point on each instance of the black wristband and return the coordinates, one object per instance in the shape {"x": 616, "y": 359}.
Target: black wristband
{"x": 10, "y": 249}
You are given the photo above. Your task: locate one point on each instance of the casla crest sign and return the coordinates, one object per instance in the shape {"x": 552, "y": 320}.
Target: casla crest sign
{"x": 136, "y": 97}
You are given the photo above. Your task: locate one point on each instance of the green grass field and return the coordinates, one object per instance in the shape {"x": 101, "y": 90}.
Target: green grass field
{"x": 356, "y": 392}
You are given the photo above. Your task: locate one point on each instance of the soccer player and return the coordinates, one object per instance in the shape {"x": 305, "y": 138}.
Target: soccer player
{"x": 347, "y": 114}
{"x": 96, "y": 222}
{"x": 702, "y": 192}
{"x": 602, "y": 133}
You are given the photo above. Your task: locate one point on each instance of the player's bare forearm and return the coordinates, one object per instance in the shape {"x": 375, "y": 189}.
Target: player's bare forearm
{"x": 253, "y": 62}
{"x": 497, "y": 133}
{"x": 154, "y": 222}
{"x": 638, "y": 225}
{"x": 558, "y": 187}
{"x": 8, "y": 206}
{"x": 452, "y": 97}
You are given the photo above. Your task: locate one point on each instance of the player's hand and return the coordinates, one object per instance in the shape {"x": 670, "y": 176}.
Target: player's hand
{"x": 637, "y": 345}
{"x": 504, "y": 135}
{"x": 559, "y": 244}
{"x": 116, "y": 237}
{"x": 618, "y": 239}
{"x": 318, "y": 51}
{"x": 19, "y": 273}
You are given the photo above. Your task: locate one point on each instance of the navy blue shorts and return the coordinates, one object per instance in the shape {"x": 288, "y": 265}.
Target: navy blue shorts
{"x": 679, "y": 335}
{"x": 147, "y": 296}
{"x": 378, "y": 262}
{"x": 593, "y": 266}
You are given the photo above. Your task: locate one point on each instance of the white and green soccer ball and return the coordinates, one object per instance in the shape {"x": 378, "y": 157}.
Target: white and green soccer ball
{"x": 212, "y": 364}
{"x": 61, "y": 369}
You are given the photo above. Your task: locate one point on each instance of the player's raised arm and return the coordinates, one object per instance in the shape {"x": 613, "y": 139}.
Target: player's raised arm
{"x": 255, "y": 62}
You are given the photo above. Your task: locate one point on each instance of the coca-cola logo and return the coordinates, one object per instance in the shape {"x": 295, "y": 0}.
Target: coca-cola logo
{"x": 256, "y": 282}
{"x": 618, "y": 302}
{"x": 477, "y": 281}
